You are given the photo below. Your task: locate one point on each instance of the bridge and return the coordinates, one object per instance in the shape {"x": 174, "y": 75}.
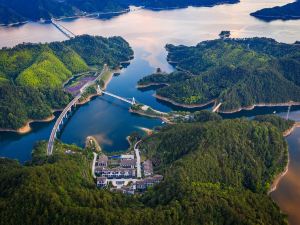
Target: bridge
{"x": 59, "y": 122}
{"x": 130, "y": 101}
{"x": 64, "y": 30}
{"x": 216, "y": 108}
{"x": 64, "y": 115}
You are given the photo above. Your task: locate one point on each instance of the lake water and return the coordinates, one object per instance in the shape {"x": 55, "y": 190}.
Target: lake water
{"x": 148, "y": 32}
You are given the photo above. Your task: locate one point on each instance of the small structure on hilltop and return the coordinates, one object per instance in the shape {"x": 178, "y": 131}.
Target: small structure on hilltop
{"x": 225, "y": 34}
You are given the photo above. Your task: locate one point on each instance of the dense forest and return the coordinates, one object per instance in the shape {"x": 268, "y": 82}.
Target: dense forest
{"x": 12, "y": 11}
{"x": 216, "y": 171}
{"x": 287, "y": 12}
{"x": 235, "y": 72}
{"x": 31, "y": 75}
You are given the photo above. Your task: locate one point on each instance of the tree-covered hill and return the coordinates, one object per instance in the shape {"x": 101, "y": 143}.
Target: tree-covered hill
{"x": 12, "y": 11}
{"x": 215, "y": 172}
{"x": 289, "y": 11}
{"x": 235, "y": 72}
{"x": 31, "y": 75}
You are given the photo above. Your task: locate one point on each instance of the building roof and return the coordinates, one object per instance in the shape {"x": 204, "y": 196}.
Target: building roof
{"x": 153, "y": 179}
{"x": 148, "y": 165}
{"x": 101, "y": 179}
{"x": 128, "y": 162}
{"x": 118, "y": 169}
{"x": 127, "y": 156}
{"x": 102, "y": 158}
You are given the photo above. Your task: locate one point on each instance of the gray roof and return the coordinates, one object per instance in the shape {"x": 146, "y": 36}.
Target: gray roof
{"x": 102, "y": 158}
{"x": 128, "y": 162}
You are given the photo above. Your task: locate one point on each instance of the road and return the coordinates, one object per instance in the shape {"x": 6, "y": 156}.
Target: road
{"x": 65, "y": 112}
{"x": 138, "y": 160}
{"x": 93, "y": 166}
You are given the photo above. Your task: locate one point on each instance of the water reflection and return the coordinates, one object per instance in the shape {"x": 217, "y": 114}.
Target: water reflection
{"x": 287, "y": 194}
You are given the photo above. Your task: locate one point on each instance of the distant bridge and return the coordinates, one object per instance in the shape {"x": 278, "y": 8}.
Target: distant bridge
{"x": 63, "y": 29}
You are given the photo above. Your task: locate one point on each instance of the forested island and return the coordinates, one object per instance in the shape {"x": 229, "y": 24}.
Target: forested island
{"x": 32, "y": 75}
{"x": 217, "y": 171}
{"x": 289, "y": 11}
{"x": 236, "y": 73}
{"x": 14, "y": 11}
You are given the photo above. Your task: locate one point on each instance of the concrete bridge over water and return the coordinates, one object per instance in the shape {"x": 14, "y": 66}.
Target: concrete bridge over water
{"x": 69, "y": 34}
{"x": 65, "y": 115}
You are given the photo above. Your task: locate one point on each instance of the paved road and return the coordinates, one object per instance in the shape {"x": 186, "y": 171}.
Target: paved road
{"x": 138, "y": 160}
{"x": 65, "y": 111}
{"x": 93, "y": 166}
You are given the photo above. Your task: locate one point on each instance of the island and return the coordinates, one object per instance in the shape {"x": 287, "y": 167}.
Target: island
{"x": 289, "y": 11}
{"x": 37, "y": 79}
{"x": 216, "y": 170}
{"x": 232, "y": 74}
{"x": 15, "y": 12}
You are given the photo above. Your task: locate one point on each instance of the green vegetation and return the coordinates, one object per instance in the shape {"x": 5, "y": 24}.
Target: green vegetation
{"x": 91, "y": 90}
{"x": 280, "y": 123}
{"x": 32, "y": 75}
{"x": 235, "y": 72}
{"x": 12, "y": 11}
{"x": 47, "y": 71}
{"x": 105, "y": 79}
{"x": 289, "y": 11}
{"x": 217, "y": 171}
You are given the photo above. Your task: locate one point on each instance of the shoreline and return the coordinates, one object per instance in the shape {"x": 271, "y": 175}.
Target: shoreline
{"x": 191, "y": 106}
{"x": 139, "y": 86}
{"x": 248, "y": 108}
{"x": 27, "y": 128}
{"x": 278, "y": 178}
{"x": 106, "y": 82}
{"x": 120, "y": 12}
{"x": 290, "y": 131}
{"x": 164, "y": 119}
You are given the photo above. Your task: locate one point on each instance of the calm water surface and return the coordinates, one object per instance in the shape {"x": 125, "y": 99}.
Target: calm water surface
{"x": 148, "y": 32}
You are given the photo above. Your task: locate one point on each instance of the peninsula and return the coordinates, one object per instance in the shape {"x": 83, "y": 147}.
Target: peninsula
{"x": 211, "y": 170}
{"x": 235, "y": 74}
{"x": 35, "y": 78}
{"x": 289, "y": 11}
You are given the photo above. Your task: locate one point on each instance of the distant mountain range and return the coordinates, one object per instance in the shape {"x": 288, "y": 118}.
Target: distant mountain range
{"x": 286, "y": 12}
{"x": 14, "y": 11}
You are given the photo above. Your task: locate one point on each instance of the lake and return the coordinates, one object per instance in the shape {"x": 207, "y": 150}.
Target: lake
{"x": 148, "y": 32}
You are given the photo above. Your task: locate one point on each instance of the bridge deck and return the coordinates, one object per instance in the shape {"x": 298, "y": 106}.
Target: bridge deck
{"x": 63, "y": 29}
{"x": 117, "y": 97}
{"x": 65, "y": 111}
{"x": 58, "y": 122}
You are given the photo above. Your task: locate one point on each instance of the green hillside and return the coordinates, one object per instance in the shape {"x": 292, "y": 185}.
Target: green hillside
{"x": 32, "y": 74}
{"x": 217, "y": 171}
{"x": 236, "y": 73}
{"x": 47, "y": 71}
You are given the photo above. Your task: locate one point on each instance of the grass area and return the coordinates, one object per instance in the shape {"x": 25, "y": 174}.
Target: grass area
{"x": 104, "y": 80}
